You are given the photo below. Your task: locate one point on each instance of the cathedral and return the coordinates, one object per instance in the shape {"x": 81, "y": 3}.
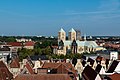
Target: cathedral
{"x": 74, "y": 44}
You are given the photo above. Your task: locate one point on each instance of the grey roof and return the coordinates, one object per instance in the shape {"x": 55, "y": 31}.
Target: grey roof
{"x": 88, "y": 73}
{"x": 72, "y": 30}
{"x": 82, "y": 43}
{"x": 113, "y": 66}
{"x": 61, "y": 30}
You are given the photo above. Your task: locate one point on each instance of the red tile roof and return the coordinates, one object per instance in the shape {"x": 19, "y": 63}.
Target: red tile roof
{"x": 4, "y": 72}
{"x": 29, "y": 43}
{"x": 50, "y": 65}
{"x": 14, "y": 43}
{"x": 115, "y": 76}
{"x": 62, "y": 68}
{"x": 15, "y": 63}
{"x": 43, "y": 77}
{"x": 29, "y": 68}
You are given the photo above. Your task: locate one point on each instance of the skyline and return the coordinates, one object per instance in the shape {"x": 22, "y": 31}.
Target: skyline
{"x": 46, "y": 17}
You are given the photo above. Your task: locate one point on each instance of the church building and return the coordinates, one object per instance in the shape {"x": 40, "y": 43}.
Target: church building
{"x": 73, "y": 45}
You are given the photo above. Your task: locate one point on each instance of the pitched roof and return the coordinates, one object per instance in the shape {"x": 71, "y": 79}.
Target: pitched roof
{"x": 98, "y": 68}
{"x": 63, "y": 68}
{"x": 43, "y": 77}
{"x": 15, "y": 63}
{"x": 112, "y": 66}
{"x": 14, "y": 43}
{"x": 50, "y": 65}
{"x": 29, "y": 43}
{"x": 83, "y": 63}
{"x": 91, "y": 61}
{"x": 91, "y": 44}
{"x": 29, "y": 68}
{"x": 88, "y": 73}
{"x": 72, "y": 30}
{"x": 4, "y": 72}
{"x": 61, "y": 30}
{"x": 115, "y": 76}
{"x": 99, "y": 58}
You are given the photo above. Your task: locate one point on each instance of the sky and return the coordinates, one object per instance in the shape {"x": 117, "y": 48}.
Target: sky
{"x": 46, "y": 17}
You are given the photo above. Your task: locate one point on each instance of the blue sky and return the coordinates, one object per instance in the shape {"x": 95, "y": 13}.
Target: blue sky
{"x": 46, "y": 17}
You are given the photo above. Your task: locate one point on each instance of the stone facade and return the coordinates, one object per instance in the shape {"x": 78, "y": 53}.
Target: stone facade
{"x": 72, "y": 45}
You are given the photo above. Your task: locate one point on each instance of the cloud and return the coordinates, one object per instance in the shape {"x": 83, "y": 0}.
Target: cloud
{"x": 15, "y": 13}
{"x": 109, "y": 5}
{"x": 92, "y": 12}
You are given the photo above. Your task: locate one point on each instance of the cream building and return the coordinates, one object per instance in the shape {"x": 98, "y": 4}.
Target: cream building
{"x": 72, "y": 45}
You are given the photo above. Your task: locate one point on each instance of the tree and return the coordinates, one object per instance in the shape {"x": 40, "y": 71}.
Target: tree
{"x": 61, "y": 56}
{"x": 77, "y": 56}
{"x": 24, "y": 53}
{"x": 37, "y": 45}
{"x": 37, "y": 51}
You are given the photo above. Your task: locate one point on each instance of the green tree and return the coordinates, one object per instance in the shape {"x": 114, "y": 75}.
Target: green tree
{"x": 37, "y": 51}
{"x": 48, "y": 50}
{"x": 61, "y": 56}
{"x": 24, "y": 53}
{"x": 77, "y": 56}
{"x": 37, "y": 45}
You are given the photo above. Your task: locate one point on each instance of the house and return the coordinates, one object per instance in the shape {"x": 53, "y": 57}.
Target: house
{"x": 99, "y": 69}
{"x": 54, "y": 49}
{"x": 23, "y": 40}
{"x": 15, "y": 66}
{"x": 90, "y": 74}
{"x": 113, "y": 67}
{"x": 5, "y": 74}
{"x": 5, "y": 54}
{"x": 27, "y": 69}
{"x": 90, "y": 62}
{"x": 14, "y": 46}
{"x": 29, "y": 45}
{"x": 95, "y": 65}
{"x": 61, "y": 68}
{"x": 37, "y": 65}
{"x": 79, "y": 67}
{"x": 103, "y": 61}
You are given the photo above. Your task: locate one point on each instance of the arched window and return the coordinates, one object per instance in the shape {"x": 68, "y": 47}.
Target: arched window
{"x": 74, "y": 47}
{"x": 61, "y": 44}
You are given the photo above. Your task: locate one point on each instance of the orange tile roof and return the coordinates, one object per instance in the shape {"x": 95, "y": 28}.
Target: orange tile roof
{"x": 29, "y": 68}
{"x": 15, "y": 63}
{"x": 14, "y": 43}
{"x": 29, "y": 43}
{"x": 62, "y": 67}
{"x": 50, "y": 65}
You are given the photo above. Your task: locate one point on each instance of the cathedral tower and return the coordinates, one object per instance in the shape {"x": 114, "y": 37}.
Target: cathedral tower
{"x": 72, "y": 35}
{"x": 61, "y": 35}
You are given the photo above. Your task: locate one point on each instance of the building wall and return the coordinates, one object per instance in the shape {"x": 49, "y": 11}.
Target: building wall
{"x": 72, "y": 36}
{"x": 29, "y": 47}
{"x": 80, "y": 48}
{"x": 61, "y": 36}
{"x": 15, "y": 71}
